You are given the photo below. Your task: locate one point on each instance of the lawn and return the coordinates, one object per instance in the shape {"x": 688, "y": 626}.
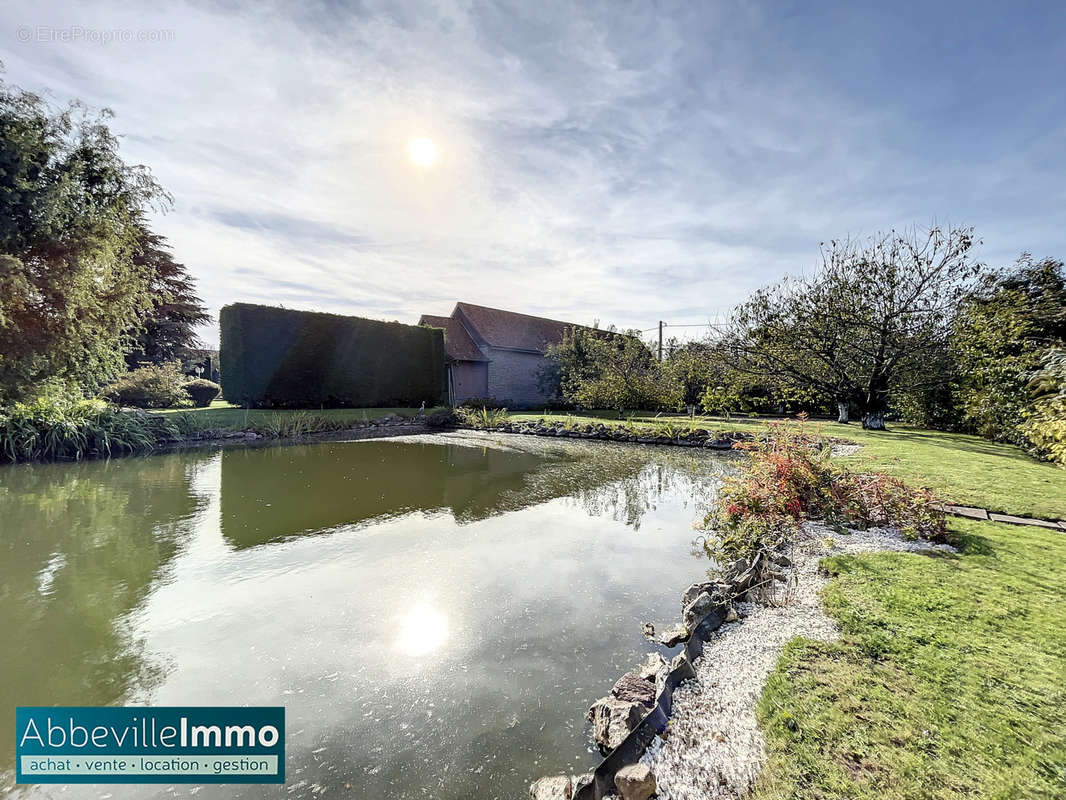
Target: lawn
{"x": 949, "y": 679}
{"x": 963, "y": 469}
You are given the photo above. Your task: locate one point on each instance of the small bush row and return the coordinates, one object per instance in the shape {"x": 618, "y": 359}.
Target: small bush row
{"x": 160, "y": 386}
{"x": 58, "y": 427}
{"x": 789, "y": 478}
{"x": 482, "y": 418}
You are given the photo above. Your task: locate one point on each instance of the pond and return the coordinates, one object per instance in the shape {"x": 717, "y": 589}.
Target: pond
{"x": 436, "y": 613}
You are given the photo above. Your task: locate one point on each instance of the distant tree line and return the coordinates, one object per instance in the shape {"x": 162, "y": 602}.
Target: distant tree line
{"x": 87, "y": 289}
{"x": 904, "y": 325}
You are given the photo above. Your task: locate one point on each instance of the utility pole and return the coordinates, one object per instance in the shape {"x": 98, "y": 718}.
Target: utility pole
{"x": 661, "y": 323}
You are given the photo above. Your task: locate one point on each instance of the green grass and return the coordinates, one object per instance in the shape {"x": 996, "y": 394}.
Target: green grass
{"x": 962, "y": 469}
{"x": 223, "y": 416}
{"x": 949, "y": 679}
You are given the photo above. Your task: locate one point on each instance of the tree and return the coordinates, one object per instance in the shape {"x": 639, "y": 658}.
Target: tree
{"x": 168, "y": 329}
{"x": 865, "y": 324}
{"x": 1000, "y": 336}
{"x": 928, "y": 396}
{"x": 1045, "y": 423}
{"x": 689, "y": 367}
{"x": 624, "y": 375}
{"x": 72, "y": 290}
{"x": 791, "y": 337}
{"x": 608, "y": 369}
{"x": 568, "y": 363}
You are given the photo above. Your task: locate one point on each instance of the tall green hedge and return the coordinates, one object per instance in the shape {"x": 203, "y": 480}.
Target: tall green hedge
{"x": 277, "y": 358}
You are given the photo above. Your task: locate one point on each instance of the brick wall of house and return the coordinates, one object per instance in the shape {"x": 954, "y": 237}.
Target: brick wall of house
{"x": 513, "y": 377}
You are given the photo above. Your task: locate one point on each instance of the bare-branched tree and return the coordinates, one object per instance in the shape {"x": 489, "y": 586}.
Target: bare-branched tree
{"x": 871, "y": 318}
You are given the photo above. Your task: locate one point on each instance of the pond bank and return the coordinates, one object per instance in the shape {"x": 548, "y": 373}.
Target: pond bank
{"x": 377, "y": 429}
{"x": 715, "y": 747}
{"x": 683, "y": 436}
{"x": 695, "y": 734}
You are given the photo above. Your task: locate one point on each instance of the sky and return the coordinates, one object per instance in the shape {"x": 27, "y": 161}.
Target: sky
{"x": 610, "y": 162}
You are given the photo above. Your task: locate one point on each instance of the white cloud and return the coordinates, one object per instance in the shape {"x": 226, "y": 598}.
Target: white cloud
{"x": 596, "y": 162}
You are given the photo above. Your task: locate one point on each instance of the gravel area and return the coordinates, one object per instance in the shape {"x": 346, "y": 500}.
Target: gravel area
{"x": 715, "y": 748}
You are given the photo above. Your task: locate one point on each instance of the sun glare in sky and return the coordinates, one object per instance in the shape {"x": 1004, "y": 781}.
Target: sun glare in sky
{"x": 423, "y": 152}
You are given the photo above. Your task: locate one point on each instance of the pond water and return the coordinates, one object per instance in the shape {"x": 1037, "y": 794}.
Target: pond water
{"x": 435, "y": 613}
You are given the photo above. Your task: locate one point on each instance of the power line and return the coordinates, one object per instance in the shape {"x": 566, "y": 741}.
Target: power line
{"x": 692, "y": 325}
{"x": 686, "y": 325}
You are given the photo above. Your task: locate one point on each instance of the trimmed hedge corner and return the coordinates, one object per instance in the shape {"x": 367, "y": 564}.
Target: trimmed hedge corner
{"x": 278, "y": 358}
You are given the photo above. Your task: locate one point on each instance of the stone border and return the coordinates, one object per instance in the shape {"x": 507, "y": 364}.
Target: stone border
{"x": 654, "y": 722}
{"x": 699, "y": 438}
{"x": 706, "y": 607}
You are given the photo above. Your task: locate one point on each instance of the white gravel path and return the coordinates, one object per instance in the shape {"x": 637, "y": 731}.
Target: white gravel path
{"x": 714, "y": 747}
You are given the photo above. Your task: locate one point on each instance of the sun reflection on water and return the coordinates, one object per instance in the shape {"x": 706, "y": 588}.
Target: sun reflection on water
{"x": 422, "y": 631}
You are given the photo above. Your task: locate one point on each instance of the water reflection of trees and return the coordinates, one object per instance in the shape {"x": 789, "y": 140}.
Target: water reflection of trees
{"x": 82, "y": 546}
{"x": 271, "y": 494}
{"x": 630, "y": 498}
{"x": 625, "y": 483}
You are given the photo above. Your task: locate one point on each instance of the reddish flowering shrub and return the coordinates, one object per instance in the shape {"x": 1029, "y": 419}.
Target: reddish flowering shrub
{"x": 788, "y": 478}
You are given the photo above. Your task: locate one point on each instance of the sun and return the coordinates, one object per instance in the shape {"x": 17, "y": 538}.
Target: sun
{"x": 422, "y": 152}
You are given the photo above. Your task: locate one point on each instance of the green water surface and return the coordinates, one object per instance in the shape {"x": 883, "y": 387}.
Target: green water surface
{"x": 435, "y": 613}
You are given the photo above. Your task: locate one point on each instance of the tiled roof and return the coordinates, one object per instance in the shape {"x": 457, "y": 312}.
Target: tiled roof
{"x": 510, "y": 329}
{"x": 457, "y": 342}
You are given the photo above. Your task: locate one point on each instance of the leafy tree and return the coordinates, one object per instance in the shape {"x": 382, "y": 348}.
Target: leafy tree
{"x": 1000, "y": 336}
{"x": 1045, "y": 422}
{"x": 70, "y": 287}
{"x": 863, "y": 326}
{"x": 168, "y": 329}
{"x": 608, "y": 369}
{"x": 568, "y": 363}
{"x": 691, "y": 368}
{"x": 789, "y": 339}
{"x": 928, "y": 398}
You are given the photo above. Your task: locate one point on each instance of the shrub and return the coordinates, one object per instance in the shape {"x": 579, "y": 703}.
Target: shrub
{"x": 202, "y": 392}
{"x": 678, "y": 427}
{"x": 482, "y": 418}
{"x": 279, "y": 358}
{"x": 442, "y": 418}
{"x": 789, "y": 478}
{"x": 284, "y": 426}
{"x": 64, "y": 427}
{"x": 150, "y": 386}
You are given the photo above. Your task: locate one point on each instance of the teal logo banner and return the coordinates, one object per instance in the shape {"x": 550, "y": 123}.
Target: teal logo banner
{"x": 196, "y": 744}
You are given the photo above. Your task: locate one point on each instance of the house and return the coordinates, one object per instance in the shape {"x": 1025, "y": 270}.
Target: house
{"x": 496, "y": 353}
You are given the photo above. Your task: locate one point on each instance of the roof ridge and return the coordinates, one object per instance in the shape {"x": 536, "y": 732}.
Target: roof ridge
{"x": 523, "y": 314}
